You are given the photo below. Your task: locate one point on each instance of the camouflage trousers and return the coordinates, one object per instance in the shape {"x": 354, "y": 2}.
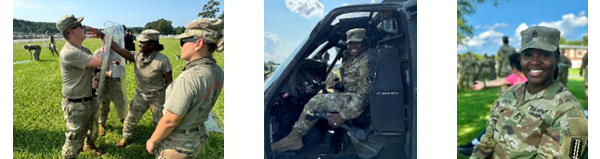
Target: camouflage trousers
{"x": 139, "y": 105}
{"x": 36, "y": 54}
{"x": 112, "y": 92}
{"x": 52, "y": 48}
{"x": 467, "y": 79}
{"x": 79, "y": 122}
{"x": 182, "y": 145}
{"x": 327, "y": 103}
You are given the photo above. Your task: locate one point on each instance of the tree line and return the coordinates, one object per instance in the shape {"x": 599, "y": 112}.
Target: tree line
{"x": 162, "y": 25}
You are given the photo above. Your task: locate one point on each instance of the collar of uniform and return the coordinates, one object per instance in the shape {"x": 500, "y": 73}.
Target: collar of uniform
{"x": 548, "y": 93}
{"x": 144, "y": 60}
{"x": 71, "y": 46}
{"x": 199, "y": 61}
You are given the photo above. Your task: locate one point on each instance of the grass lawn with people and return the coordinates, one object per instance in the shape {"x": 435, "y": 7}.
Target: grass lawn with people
{"x": 38, "y": 120}
{"x": 473, "y": 109}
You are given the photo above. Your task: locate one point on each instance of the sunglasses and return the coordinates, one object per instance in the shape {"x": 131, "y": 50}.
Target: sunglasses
{"x": 183, "y": 41}
{"x": 78, "y": 25}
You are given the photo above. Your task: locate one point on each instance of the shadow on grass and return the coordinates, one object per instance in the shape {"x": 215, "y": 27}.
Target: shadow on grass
{"x": 40, "y": 142}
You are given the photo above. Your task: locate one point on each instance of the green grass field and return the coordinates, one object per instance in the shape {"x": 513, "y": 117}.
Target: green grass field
{"x": 38, "y": 122}
{"x": 473, "y": 109}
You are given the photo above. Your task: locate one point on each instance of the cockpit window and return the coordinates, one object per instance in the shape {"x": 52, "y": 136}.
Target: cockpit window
{"x": 350, "y": 15}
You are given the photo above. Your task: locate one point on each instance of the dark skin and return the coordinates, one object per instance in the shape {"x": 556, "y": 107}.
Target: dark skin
{"x": 355, "y": 48}
{"x": 146, "y": 49}
{"x": 535, "y": 59}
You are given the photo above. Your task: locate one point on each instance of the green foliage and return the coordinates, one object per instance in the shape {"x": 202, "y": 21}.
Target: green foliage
{"x": 179, "y": 30}
{"x": 210, "y": 9}
{"x": 466, "y": 7}
{"x": 222, "y": 16}
{"x": 583, "y": 42}
{"x": 477, "y": 56}
{"x": 162, "y": 25}
{"x": 473, "y": 109}
{"x": 29, "y": 27}
{"x": 38, "y": 120}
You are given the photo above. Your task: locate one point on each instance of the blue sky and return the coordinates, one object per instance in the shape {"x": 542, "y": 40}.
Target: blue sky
{"x": 289, "y": 22}
{"x": 510, "y": 17}
{"x": 129, "y": 13}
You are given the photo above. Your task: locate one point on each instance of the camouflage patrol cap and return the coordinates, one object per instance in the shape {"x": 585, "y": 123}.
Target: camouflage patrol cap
{"x": 505, "y": 38}
{"x": 356, "y": 35}
{"x": 211, "y": 30}
{"x": 149, "y": 34}
{"x": 540, "y": 37}
{"x": 66, "y": 22}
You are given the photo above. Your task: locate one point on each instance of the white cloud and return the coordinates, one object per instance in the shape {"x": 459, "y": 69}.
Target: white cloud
{"x": 568, "y": 24}
{"x": 345, "y": 4}
{"x": 487, "y": 39}
{"x": 521, "y": 27}
{"x": 493, "y": 27}
{"x": 477, "y": 26}
{"x": 272, "y": 42}
{"x": 305, "y": 8}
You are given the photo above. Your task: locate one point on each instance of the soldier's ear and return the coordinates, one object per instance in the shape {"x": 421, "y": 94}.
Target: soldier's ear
{"x": 199, "y": 44}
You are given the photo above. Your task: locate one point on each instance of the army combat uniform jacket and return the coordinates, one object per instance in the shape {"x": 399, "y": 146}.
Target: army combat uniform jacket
{"x": 548, "y": 124}
{"x": 504, "y": 66}
{"x": 350, "y": 103}
{"x": 192, "y": 95}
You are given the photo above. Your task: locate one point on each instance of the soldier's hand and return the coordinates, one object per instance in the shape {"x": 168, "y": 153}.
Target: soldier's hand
{"x": 150, "y": 147}
{"x": 95, "y": 84}
{"x": 478, "y": 86}
{"x": 336, "y": 120}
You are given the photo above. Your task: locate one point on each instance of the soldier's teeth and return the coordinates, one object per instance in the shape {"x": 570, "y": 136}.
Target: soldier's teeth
{"x": 536, "y": 71}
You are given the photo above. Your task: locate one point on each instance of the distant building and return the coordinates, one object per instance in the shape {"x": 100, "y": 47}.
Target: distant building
{"x": 575, "y": 53}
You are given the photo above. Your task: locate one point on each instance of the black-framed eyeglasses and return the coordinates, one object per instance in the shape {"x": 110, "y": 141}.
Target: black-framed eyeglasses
{"x": 183, "y": 41}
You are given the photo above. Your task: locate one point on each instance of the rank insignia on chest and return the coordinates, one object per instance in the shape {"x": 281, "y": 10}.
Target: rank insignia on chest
{"x": 516, "y": 117}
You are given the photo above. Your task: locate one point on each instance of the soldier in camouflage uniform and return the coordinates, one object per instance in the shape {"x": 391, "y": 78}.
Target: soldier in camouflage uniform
{"x": 584, "y": 65}
{"x": 493, "y": 74}
{"x": 469, "y": 67}
{"x": 503, "y": 63}
{"x": 462, "y": 71}
{"x": 112, "y": 90}
{"x": 52, "y": 44}
{"x": 350, "y": 104}
{"x": 540, "y": 118}
{"x": 181, "y": 132}
{"x": 37, "y": 49}
{"x": 484, "y": 68}
{"x": 563, "y": 69}
{"x": 78, "y": 103}
{"x": 152, "y": 75}
{"x": 458, "y": 70}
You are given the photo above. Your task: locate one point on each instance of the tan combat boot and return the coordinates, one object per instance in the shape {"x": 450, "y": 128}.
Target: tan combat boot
{"x": 123, "y": 142}
{"x": 101, "y": 130}
{"x": 291, "y": 142}
{"x": 91, "y": 147}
